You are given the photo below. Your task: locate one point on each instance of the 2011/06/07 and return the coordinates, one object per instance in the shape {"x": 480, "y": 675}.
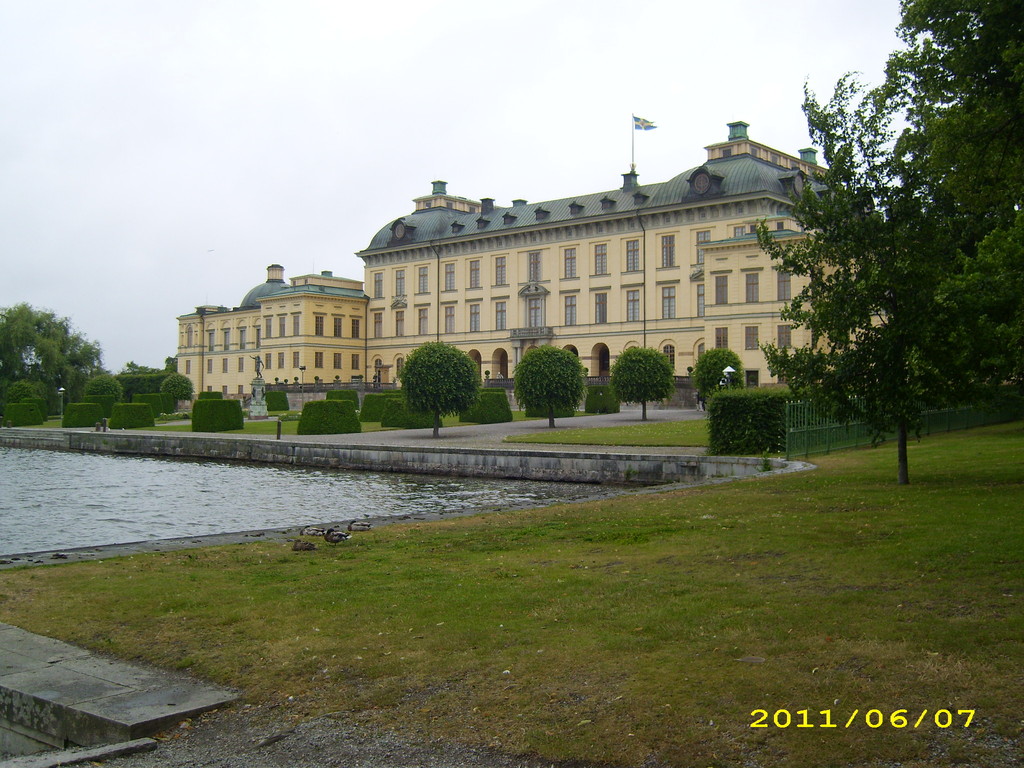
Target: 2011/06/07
{"x": 873, "y": 718}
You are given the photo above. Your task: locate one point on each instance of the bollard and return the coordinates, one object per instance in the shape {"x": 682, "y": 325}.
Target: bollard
{"x": 278, "y": 429}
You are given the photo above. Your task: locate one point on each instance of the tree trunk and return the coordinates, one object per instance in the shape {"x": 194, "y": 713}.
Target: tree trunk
{"x": 551, "y": 417}
{"x": 901, "y": 451}
{"x": 643, "y": 410}
{"x": 437, "y": 424}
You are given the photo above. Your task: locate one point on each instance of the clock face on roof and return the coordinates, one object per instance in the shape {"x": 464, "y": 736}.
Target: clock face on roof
{"x": 398, "y": 230}
{"x": 701, "y": 183}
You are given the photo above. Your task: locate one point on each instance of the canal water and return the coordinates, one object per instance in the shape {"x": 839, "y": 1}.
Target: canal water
{"x": 53, "y": 500}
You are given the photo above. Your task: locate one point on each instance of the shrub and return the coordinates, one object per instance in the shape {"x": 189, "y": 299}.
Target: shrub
{"x": 277, "y": 401}
{"x": 491, "y": 407}
{"x": 216, "y": 415}
{"x": 397, "y": 414}
{"x": 140, "y": 383}
{"x": 105, "y": 384}
{"x": 178, "y": 387}
{"x": 747, "y": 421}
{"x": 158, "y": 401}
{"x": 131, "y": 416}
{"x": 707, "y": 373}
{"x": 82, "y": 415}
{"x": 21, "y": 390}
{"x": 211, "y": 395}
{"x": 23, "y": 414}
{"x": 106, "y": 402}
{"x": 349, "y": 395}
{"x": 39, "y": 403}
{"x": 328, "y": 417}
{"x": 373, "y": 404}
{"x": 601, "y": 399}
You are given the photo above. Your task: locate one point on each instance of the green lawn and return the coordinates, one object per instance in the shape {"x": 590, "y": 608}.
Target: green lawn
{"x": 661, "y": 433}
{"x": 638, "y": 630}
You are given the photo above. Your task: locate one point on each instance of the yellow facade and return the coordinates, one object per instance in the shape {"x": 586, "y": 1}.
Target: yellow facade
{"x": 672, "y": 265}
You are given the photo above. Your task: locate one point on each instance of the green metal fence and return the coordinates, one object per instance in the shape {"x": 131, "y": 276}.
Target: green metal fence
{"x": 810, "y": 431}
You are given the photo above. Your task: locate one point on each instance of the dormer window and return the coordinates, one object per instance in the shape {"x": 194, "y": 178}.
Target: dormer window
{"x": 575, "y": 209}
{"x": 456, "y": 227}
{"x": 509, "y": 218}
{"x": 640, "y": 198}
{"x": 482, "y": 223}
{"x": 607, "y": 203}
{"x": 542, "y": 214}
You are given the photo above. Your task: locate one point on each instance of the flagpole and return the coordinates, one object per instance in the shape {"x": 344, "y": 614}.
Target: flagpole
{"x": 632, "y": 148}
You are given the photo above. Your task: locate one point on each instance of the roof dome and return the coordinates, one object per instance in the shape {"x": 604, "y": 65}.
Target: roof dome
{"x": 275, "y": 282}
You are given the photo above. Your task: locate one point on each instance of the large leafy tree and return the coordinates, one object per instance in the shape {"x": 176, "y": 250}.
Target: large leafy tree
{"x": 37, "y": 345}
{"x": 876, "y": 255}
{"x": 642, "y": 375}
{"x": 439, "y": 379}
{"x": 549, "y": 379}
{"x": 707, "y": 375}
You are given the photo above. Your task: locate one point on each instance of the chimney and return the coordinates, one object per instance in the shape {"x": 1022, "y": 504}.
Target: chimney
{"x": 327, "y": 273}
{"x": 809, "y": 155}
{"x": 738, "y": 130}
{"x": 486, "y": 205}
{"x": 517, "y": 203}
{"x": 629, "y": 182}
{"x": 440, "y": 188}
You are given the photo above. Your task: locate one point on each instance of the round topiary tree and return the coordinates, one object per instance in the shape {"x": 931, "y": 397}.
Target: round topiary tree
{"x": 642, "y": 375}
{"x": 549, "y": 379}
{"x": 104, "y": 384}
{"x": 22, "y": 390}
{"x": 177, "y": 386}
{"x": 439, "y": 379}
{"x": 707, "y": 373}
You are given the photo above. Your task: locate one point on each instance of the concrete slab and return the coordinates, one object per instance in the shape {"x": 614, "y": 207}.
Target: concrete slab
{"x": 79, "y": 755}
{"x": 57, "y": 694}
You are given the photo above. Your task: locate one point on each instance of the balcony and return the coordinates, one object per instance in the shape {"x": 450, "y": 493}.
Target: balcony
{"x": 541, "y": 332}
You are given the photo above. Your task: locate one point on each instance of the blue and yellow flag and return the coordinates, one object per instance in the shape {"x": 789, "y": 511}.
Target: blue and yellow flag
{"x": 640, "y": 124}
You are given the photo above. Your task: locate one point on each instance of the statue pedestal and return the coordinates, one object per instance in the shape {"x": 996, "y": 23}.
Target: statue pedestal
{"x": 258, "y": 404}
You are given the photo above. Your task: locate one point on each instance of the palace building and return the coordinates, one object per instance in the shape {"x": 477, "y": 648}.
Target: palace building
{"x": 673, "y": 265}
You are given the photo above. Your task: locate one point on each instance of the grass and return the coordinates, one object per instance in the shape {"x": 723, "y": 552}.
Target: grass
{"x": 615, "y": 631}
{"x": 673, "y": 433}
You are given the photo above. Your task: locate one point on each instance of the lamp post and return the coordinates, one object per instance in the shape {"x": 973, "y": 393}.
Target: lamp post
{"x": 302, "y": 375}
{"x": 727, "y": 373}
{"x": 60, "y": 404}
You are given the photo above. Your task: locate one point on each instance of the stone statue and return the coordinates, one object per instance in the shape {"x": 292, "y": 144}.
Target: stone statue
{"x": 259, "y": 366}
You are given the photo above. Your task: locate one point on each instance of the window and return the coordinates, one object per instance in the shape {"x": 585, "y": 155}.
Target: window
{"x": 227, "y": 339}
{"x": 474, "y": 317}
{"x": 355, "y": 362}
{"x": 739, "y": 231}
{"x": 399, "y": 323}
{"x": 569, "y": 262}
{"x": 721, "y": 289}
{"x": 318, "y": 359}
{"x": 632, "y": 305}
{"x": 378, "y": 324}
{"x": 188, "y": 367}
{"x": 224, "y": 390}
{"x": 570, "y": 310}
{"x": 241, "y": 365}
{"x": 424, "y": 326}
{"x": 449, "y": 276}
{"x": 668, "y": 250}
{"x": 338, "y": 324}
{"x": 399, "y": 282}
{"x": 295, "y": 325}
{"x": 282, "y": 326}
{"x": 535, "y": 312}
{"x": 474, "y": 273}
{"x": 668, "y": 302}
{"x": 601, "y": 259}
{"x": 632, "y": 255}
{"x": 318, "y": 325}
{"x": 722, "y": 338}
{"x": 700, "y": 300}
{"x": 704, "y": 236}
{"x": 210, "y": 339}
{"x": 241, "y": 389}
{"x": 783, "y": 286}
{"x": 449, "y": 319}
{"x": 378, "y": 285}
{"x": 785, "y": 335}
{"x": 266, "y": 361}
{"x": 499, "y": 316}
{"x": 241, "y": 338}
{"x": 500, "y": 277}
{"x": 600, "y": 307}
{"x": 670, "y": 352}
{"x": 423, "y": 278}
{"x": 753, "y": 287}
{"x": 270, "y": 328}
{"x": 189, "y": 341}
{"x": 337, "y": 361}
{"x": 224, "y": 365}
{"x": 355, "y": 327}
{"x": 700, "y": 255}
{"x": 750, "y": 340}
{"x": 295, "y": 360}
{"x": 257, "y": 337}
{"x": 533, "y": 266}
{"x": 280, "y": 360}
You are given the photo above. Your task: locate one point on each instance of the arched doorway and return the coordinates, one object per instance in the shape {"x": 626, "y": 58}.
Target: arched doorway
{"x": 474, "y": 355}
{"x": 601, "y": 360}
{"x": 571, "y": 348}
{"x": 499, "y": 364}
{"x": 669, "y": 350}
{"x": 380, "y": 372}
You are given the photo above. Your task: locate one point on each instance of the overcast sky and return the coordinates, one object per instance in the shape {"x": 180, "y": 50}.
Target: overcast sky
{"x": 156, "y": 155}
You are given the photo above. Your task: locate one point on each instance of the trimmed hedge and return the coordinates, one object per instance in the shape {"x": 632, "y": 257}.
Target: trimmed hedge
{"x": 397, "y": 414}
{"x": 491, "y": 407}
{"x": 747, "y": 421}
{"x": 210, "y": 396}
{"x": 82, "y": 415}
{"x": 216, "y": 415}
{"x": 348, "y": 395}
{"x": 158, "y": 401}
{"x": 541, "y": 413}
{"x": 328, "y": 417}
{"x": 106, "y": 402}
{"x": 131, "y": 416}
{"x": 373, "y": 404}
{"x": 277, "y": 400}
{"x": 23, "y": 414}
{"x": 601, "y": 399}
{"x": 39, "y": 403}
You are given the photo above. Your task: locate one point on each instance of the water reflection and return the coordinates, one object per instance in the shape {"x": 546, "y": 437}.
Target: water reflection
{"x": 53, "y": 500}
